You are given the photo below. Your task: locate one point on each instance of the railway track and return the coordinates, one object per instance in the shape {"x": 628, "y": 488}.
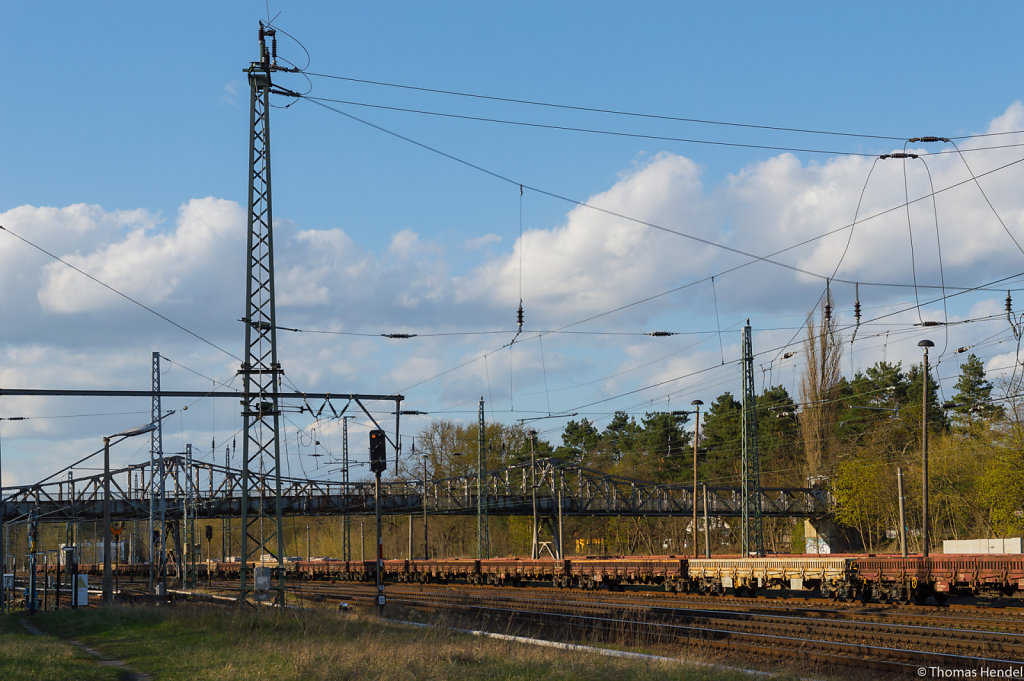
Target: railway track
{"x": 818, "y": 636}
{"x": 875, "y": 641}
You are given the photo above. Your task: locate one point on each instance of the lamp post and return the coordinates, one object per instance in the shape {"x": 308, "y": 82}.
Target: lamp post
{"x": 108, "y": 582}
{"x": 696, "y": 434}
{"x": 925, "y": 344}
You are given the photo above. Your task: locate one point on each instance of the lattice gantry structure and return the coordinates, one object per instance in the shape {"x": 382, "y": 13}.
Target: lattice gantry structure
{"x": 261, "y": 371}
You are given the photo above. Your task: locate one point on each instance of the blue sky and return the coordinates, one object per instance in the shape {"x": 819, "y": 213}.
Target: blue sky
{"x": 126, "y": 146}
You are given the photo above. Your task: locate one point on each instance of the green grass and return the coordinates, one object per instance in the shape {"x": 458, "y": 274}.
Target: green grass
{"x": 204, "y": 643}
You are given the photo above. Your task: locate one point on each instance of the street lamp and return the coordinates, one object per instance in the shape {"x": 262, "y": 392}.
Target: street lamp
{"x": 925, "y": 344}
{"x": 108, "y": 582}
{"x": 696, "y": 434}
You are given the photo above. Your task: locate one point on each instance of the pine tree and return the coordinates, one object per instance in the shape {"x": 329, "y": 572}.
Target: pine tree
{"x": 973, "y": 395}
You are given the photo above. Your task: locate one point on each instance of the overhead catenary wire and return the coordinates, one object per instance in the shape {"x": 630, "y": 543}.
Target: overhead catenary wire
{"x": 616, "y": 214}
{"x": 754, "y": 258}
{"x": 119, "y": 293}
{"x": 635, "y": 114}
{"x": 770, "y": 350}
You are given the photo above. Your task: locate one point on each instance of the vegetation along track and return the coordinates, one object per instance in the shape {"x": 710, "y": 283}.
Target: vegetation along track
{"x": 875, "y": 640}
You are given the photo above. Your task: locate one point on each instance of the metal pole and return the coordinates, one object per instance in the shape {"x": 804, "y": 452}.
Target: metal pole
{"x": 162, "y": 588}
{"x": 903, "y": 522}
{"x": 362, "y": 544}
{"x": 33, "y": 536}
{"x": 346, "y": 535}
{"x": 155, "y": 445}
{"x": 561, "y": 555}
{"x": 3, "y": 536}
{"x": 307, "y": 543}
{"x": 707, "y": 525}
{"x": 108, "y": 589}
{"x": 410, "y": 536}
{"x": 482, "y": 548}
{"x": 426, "y": 544}
{"x": 696, "y": 436}
{"x": 533, "y": 489}
{"x": 185, "y": 553}
{"x": 924, "y": 447}
{"x": 225, "y": 534}
{"x": 379, "y": 572}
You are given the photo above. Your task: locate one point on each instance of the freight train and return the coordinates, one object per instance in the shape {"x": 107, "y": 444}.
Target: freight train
{"x": 880, "y": 578}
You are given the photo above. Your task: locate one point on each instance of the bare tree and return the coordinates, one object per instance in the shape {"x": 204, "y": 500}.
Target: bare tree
{"x": 819, "y": 389}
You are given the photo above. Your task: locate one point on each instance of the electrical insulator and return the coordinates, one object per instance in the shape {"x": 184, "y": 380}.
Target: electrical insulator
{"x": 519, "y": 315}
{"x": 1009, "y": 305}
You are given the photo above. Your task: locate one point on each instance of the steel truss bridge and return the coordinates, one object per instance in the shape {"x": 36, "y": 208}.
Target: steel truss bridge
{"x": 208, "y": 490}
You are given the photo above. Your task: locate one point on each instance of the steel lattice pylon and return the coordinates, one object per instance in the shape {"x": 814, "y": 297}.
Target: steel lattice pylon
{"x": 188, "y": 554}
{"x": 752, "y": 528}
{"x": 260, "y": 370}
{"x": 483, "y": 540}
{"x": 157, "y": 487}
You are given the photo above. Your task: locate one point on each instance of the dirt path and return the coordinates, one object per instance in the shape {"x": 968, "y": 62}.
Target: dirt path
{"x": 101, "y": 659}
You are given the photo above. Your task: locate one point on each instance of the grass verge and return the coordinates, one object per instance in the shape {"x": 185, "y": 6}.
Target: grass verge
{"x": 196, "y": 643}
{"x": 25, "y": 657}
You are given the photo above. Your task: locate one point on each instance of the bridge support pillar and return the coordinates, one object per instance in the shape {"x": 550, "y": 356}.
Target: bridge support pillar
{"x": 821, "y": 535}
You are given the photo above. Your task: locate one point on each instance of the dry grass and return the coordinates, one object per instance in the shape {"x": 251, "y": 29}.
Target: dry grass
{"x": 190, "y": 644}
{"x": 24, "y": 657}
